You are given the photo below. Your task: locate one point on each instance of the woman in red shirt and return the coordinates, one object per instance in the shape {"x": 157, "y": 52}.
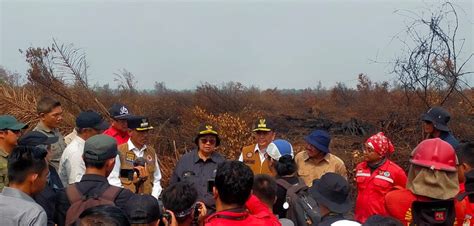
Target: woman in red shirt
{"x": 375, "y": 177}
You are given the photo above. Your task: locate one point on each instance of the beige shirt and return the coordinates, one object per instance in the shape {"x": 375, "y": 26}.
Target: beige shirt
{"x": 310, "y": 169}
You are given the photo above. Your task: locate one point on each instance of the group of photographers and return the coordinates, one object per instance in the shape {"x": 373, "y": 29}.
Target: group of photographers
{"x": 108, "y": 174}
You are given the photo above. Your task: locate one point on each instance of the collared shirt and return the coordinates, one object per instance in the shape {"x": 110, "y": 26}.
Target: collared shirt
{"x": 120, "y": 137}
{"x": 56, "y": 148}
{"x": 262, "y": 153}
{"x": 3, "y": 169}
{"x": 309, "y": 169}
{"x": 18, "y": 208}
{"x": 192, "y": 168}
{"x": 156, "y": 176}
{"x": 71, "y": 166}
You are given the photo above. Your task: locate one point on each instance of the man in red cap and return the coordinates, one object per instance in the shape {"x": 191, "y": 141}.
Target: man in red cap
{"x": 432, "y": 179}
{"x": 375, "y": 177}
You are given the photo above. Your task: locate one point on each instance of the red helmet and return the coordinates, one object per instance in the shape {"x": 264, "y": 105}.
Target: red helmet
{"x": 435, "y": 154}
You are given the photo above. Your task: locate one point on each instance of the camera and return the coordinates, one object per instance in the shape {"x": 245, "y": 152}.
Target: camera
{"x": 140, "y": 161}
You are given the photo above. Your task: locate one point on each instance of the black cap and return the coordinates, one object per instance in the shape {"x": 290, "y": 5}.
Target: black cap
{"x": 207, "y": 129}
{"x": 264, "y": 125}
{"x": 332, "y": 191}
{"x": 100, "y": 147}
{"x": 439, "y": 117}
{"x": 34, "y": 138}
{"x": 139, "y": 123}
{"x": 119, "y": 111}
{"x": 143, "y": 209}
{"x": 90, "y": 119}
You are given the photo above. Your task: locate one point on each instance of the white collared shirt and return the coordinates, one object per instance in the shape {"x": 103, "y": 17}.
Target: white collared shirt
{"x": 156, "y": 190}
{"x": 71, "y": 165}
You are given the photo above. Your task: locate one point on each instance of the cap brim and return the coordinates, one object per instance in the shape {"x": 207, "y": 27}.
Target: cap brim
{"x": 333, "y": 207}
{"x": 262, "y": 129}
{"x": 123, "y": 117}
{"x": 437, "y": 125}
{"x": 428, "y": 164}
{"x": 102, "y": 126}
{"x": 317, "y": 145}
{"x": 18, "y": 126}
{"x": 144, "y": 129}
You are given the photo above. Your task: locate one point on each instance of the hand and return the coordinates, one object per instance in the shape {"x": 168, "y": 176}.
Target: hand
{"x": 142, "y": 171}
{"x": 202, "y": 213}
{"x": 173, "y": 219}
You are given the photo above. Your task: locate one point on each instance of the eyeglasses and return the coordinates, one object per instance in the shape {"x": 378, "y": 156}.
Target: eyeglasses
{"x": 210, "y": 141}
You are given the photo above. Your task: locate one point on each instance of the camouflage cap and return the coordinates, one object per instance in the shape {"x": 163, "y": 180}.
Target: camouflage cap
{"x": 100, "y": 147}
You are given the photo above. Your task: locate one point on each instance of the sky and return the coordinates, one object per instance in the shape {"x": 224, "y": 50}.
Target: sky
{"x": 265, "y": 43}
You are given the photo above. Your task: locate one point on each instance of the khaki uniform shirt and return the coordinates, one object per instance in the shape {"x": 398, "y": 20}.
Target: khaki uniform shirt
{"x": 56, "y": 148}
{"x": 309, "y": 169}
{"x": 3, "y": 169}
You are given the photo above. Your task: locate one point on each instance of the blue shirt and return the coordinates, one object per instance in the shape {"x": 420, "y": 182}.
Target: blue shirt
{"x": 18, "y": 208}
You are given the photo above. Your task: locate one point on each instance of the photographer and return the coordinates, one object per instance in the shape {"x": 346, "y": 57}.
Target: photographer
{"x": 181, "y": 199}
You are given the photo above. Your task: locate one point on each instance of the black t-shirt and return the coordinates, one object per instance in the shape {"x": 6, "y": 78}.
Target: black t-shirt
{"x": 281, "y": 196}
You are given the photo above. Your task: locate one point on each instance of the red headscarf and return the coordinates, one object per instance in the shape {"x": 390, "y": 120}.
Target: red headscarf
{"x": 381, "y": 144}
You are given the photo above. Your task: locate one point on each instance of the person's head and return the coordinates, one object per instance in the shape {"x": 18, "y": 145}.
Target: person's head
{"x": 50, "y": 112}
{"x": 10, "y": 131}
{"x": 435, "y": 120}
{"x": 264, "y": 132}
{"x": 465, "y": 154}
{"x": 143, "y": 210}
{"x": 105, "y": 215}
{"x": 180, "y": 198}
{"x": 265, "y": 188}
{"x": 379, "y": 220}
{"x": 280, "y": 152}
{"x": 207, "y": 139}
{"x": 317, "y": 144}
{"x": 233, "y": 183}
{"x": 99, "y": 153}
{"x": 120, "y": 115}
{"x": 39, "y": 140}
{"x": 90, "y": 123}
{"x": 332, "y": 194}
{"x": 377, "y": 147}
{"x": 433, "y": 171}
{"x": 27, "y": 169}
{"x": 140, "y": 129}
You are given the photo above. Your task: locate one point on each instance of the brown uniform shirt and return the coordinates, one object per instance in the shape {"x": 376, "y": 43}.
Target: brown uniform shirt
{"x": 309, "y": 169}
{"x": 127, "y": 157}
{"x": 3, "y": 169}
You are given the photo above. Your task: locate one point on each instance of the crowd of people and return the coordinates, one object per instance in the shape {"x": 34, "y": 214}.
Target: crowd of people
{"x": 107, "y": 173}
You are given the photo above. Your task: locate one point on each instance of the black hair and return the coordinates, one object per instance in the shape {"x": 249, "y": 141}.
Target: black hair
{"x": 265, "y": 188}
{"x": 103, "y": 215}
{"x": 378, "y": 220}
{"x": 285, "y": 166}
{"x": 234, "y": 181}
{"x": 98, "y": 164}
{"x": 25, "y": 160}
{"x": 179, "y": 197}
{"x": 46, "y": 105}
{"x": 465, "y": 153}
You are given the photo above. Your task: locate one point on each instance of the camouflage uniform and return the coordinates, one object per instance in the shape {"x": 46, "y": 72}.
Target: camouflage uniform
{"x": 3, "y": 169}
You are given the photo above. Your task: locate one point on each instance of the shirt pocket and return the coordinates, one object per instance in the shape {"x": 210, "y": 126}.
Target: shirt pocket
{"x": 383, "y": 184}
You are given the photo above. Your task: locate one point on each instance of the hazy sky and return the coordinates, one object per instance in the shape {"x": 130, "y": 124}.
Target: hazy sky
{"x": 284, "y": 44}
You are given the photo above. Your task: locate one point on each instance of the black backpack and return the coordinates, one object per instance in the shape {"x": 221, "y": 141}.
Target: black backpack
{"x": 438, "y": 212}
{"x": 303, "y": 209}
{"x": 80, "y": 202}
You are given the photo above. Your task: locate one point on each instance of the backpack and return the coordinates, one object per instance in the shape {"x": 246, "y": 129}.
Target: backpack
{"x": 80, "y": 202}
{"x": 438, "y": 212}
{"x": 303, "y": 209}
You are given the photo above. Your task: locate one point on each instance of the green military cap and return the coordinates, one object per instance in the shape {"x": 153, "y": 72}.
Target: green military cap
{"x": 11, "y": 123}
{"x": 100, "y": 147}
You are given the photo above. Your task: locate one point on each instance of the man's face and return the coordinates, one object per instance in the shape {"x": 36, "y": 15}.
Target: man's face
{"x": 40, "y": 183}
{"x": 313, "y": 152}
{"x": 140, "y": 138}
{"x": 10, "y": 137}
{"x": 52, "y": 119}
{"x": 428, "y": 127}
{"x": 207, "y": 144}
{"x": 120, "y": 124}
{"x": 264, "y": 138}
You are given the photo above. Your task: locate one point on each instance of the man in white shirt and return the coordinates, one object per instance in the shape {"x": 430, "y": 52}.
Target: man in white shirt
{"x": 138, "y": 160}
{"x": 71, "y": 165}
